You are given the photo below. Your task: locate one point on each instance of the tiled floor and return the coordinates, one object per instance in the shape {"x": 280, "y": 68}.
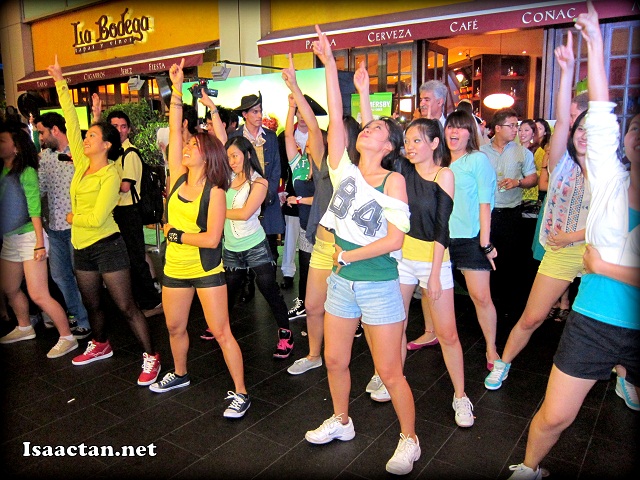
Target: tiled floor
{"x": 51, "y": 402}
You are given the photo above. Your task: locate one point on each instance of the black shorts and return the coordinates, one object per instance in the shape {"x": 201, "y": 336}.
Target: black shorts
{"x": 108, "y": 254}
{"x": 214, "y": 280}
{"x": 589, "y": 349}
{"x": 466, "y": 254}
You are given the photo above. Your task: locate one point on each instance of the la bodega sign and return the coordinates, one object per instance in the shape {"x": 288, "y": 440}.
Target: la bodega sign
{"x": 108, "y": 33}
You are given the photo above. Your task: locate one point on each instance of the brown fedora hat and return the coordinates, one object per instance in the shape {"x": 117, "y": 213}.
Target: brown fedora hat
{"x": 315, "y": 106}
{"x": 248, "y": 102}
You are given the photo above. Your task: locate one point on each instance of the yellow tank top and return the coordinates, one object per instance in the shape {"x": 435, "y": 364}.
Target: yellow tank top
{"x": 183, "y": 261}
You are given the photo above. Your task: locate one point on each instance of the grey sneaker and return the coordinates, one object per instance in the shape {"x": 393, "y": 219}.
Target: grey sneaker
{"x": 239, "y": 405}
{"x": 464, "y": 411}
{"x": 17, "y": 335}
{"x": 407, "y": 452}
{"x": 46, "y": 319}
{"x": 331, "y": 429}
{"x": 63, "y": 347}
{"x": 522, "y": 472}
{"x": 381, "y": 394}
{"x": 374, "y": 384}
{"x": 304, "y": 365}
{"x": 170, "y": 382}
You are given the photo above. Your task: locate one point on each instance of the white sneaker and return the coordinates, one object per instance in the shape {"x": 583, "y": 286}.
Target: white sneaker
{"x": 331, "y": 429}
{"x": 464, "y": 411}
{"x": 304, "y": 365}
{"x": 627, "y": 392}
{"x": 374, "y": 384}
{"x": 522, "y": 472}
{"x": 407, "y": 452}
{"x": 381, "y": 394}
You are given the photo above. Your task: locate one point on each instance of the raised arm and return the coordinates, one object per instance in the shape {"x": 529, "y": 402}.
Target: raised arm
{"x": 289, "y": 139}
{"x": 315, "y": 142}
{"x": 176, "y": 169}
{"x": 558, "y": 142}
{"x": 218, "y": 127}
{"x": 336, "y": 136}
{"x": 361, "y": 82}
{"x": 587, "y": 24}
{"x": 96, "y": 107}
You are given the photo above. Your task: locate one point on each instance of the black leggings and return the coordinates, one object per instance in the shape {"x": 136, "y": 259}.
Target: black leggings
{"x": 119, "y": 286}
{"x": 266, "y": 282}
{"x": 304, "y": 258}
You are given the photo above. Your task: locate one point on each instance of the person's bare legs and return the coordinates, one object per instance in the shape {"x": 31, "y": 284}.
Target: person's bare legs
{"x": 544, "y": 292}
{"x": 314, "y": 304}
{"x": 11, "y": 275}
{"x": 429, "y": 331}
{"x": 177, "y": 304}
{"x": 480, "y": 293}
{"x": 35, "y": 274}
{"x": 562, "y": 402}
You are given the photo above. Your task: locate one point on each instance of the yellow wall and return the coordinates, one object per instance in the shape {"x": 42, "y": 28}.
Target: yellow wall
{"x": 289, "y": 14}
{"x": 174, "y": 24}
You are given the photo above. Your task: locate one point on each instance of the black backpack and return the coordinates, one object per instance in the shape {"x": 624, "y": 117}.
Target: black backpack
{"x": 150, "y": 196}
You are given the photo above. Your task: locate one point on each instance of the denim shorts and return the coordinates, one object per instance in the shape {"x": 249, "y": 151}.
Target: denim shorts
{"x": 413, "y": 272}
{"x": 465, "y": 254}
{"x": 563, "y": 264}
{"x": 378, "y": 303}
{"x": 19, "y": 248}
{"x": 208, "y": 281}
{"x": 322, "y": 255}
{"x": 107, "y": 255}
{"x": 589, "y": 349}
{"x": 254, "y": 257}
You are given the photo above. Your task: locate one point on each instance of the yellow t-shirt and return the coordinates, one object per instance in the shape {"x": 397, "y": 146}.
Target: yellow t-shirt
{"x": 420, "y": 250}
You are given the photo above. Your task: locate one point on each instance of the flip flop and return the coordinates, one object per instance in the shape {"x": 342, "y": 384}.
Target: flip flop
{"x": 207, "y": 335}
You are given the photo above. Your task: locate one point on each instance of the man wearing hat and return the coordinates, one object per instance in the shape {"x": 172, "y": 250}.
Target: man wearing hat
{"x": 266, "y": 144}
{"x": 290, "y": 212}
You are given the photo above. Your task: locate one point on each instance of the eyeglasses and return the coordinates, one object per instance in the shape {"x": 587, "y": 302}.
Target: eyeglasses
{"x": 510, "y": 125}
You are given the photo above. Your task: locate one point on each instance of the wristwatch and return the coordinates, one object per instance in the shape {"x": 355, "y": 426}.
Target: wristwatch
{"x": 298, "y": 200}
{"x": 519, "y": 182}
{"x": 341, "y": 261}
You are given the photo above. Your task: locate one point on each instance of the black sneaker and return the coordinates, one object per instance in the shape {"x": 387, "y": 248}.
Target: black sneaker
{"x": 287, "y": 283}
{"x": 298, "y": 310}
{"x": 285, "y": 343}
{"x": 170, "y": 382}
{"x": 238, "y": 406}
{"x": 359, "y": 330}
{"x": 81, "y": 333}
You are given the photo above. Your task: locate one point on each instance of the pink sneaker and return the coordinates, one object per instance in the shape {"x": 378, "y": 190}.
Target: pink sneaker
{"x": 95, "y": 351}
{"x": 150, "y": 369}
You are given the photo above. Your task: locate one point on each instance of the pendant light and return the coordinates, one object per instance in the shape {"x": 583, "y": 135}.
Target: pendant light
{"x": 496, "y": 101}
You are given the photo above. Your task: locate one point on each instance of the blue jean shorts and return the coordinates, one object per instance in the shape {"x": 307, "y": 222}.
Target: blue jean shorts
{"x": 378, "y": 303}
{"x": 254, "y": 257}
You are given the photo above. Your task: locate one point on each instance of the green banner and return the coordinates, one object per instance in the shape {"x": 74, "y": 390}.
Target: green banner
{"x": 380, "y": 105}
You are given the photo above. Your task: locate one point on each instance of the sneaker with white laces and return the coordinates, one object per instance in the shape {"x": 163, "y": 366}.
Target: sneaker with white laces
{"x": 285, "y": 343}
{"x": 359, "y": 331}
{"x": 464, "y": 411}
{"x": 331, "y": 429}
{"x": 304, "y": 365}
{"x": 17, "y": 335}
{"x": 407, "y": 452}
{"x": 498, "y": 375}
{"x": 373, "y": 384}
{"x": 80, "y": 333}
{"x": 170, "y": 381}
{"x": 381, "y": 394}
{"x": 627, "y": 392}
{"x": 63, "y": 347}
{"x": 94, "y": 351}
{"x": 238, "y": 406}
{"x": 298, "y": 310}
{"x": 522, "y": 472}
{"x": 150, "y": 369}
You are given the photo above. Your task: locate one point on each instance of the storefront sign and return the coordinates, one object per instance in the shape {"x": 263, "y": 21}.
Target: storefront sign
{"x": 126, "y": 31}
{"x": 380, "y": 105}
{"x": 441, "y": 22}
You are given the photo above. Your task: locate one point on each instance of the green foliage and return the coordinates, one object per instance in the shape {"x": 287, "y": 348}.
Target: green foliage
{"x": 144, "y": 125}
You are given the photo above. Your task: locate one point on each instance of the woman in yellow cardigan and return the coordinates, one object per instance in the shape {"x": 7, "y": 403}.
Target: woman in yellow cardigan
{"x": 99, "y": 252}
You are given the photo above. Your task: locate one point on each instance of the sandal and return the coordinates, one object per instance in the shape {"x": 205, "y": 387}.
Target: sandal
{"x": 207, "y": 335}
{"x": 553, "y": 313}
{"x": 562, "y": 315}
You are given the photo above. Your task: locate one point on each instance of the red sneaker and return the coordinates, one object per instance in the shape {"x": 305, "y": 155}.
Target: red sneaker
{"x": 150, "y": 369}
{"x": 95, "y": 351}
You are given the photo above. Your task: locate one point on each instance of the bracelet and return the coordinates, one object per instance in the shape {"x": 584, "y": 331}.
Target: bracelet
{"x": 174, "y": 235}
{"x": 175, "y": 104}
{"x": 214, "y": 112}
{"x": 342, "y": 262}
{"x": 487, "y": 249}
{"x": 176, "y": 91}
{"x": 38, "y": 248}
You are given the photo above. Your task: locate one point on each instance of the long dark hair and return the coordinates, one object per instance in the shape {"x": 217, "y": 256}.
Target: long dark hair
{"x": 395, "y": 137}
{"x": 547, "y": 131}
{"x": 251, "y": 161}
{"x": 536, "y": 141}
{"x": 571, "y": 148}
{"x": 351, "y": 129}
{"x": 462, "y": 119}
{"x": 27, "y": 155}
{"x": 429, "y": 128}
{"x": 110, "y": 134}
{"x": 217, "y": 170}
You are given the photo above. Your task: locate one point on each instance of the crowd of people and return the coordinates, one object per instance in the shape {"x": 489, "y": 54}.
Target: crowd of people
{"x": 378, "y": 214}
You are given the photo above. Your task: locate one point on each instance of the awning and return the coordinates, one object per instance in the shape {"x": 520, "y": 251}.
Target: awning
{"x": 144, "y": 63}
{"x": 473, "y": 17}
